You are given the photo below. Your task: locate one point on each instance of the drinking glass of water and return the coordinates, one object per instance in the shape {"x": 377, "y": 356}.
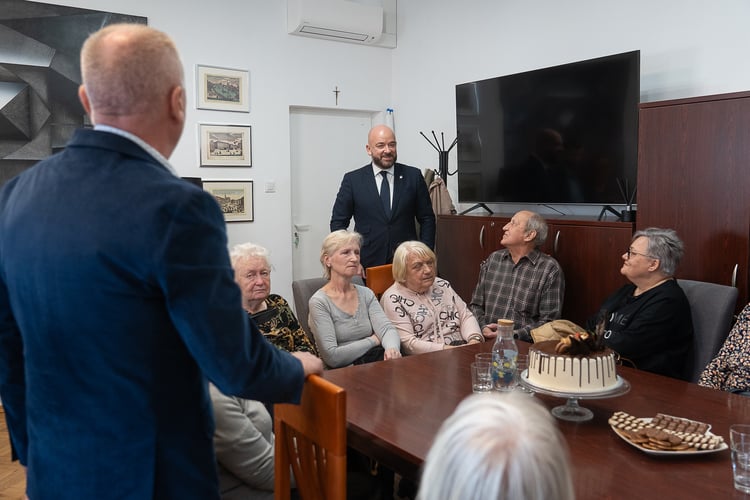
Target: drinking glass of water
{"x": 739, "y": 438}
{"x": 481, "y": 376}
{"x": 522, "y": 363}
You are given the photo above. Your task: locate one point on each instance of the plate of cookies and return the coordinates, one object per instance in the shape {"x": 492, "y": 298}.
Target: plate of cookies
{"x": 666, "y": 435}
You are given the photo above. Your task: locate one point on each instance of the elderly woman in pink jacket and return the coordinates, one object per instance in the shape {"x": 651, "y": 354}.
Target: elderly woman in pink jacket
{"x": 427, "y": 313}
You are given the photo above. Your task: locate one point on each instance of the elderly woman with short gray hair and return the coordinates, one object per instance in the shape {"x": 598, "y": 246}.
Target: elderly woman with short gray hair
{"x": 472, "y": 458}
{"x": 648, "y": 321}
{"x": 428, "y": 314}
{"x": 271, "y": 312}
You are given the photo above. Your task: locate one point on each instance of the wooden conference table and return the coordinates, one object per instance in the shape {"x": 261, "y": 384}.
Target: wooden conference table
{"x": 395, "y": 408}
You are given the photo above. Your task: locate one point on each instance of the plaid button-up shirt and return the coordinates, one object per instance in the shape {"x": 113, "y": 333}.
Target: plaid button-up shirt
{"x": 529, "y": 292}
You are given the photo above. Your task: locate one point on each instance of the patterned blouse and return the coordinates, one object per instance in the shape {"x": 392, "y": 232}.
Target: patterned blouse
{"x": 730, "y": 369}
{"x": 427, "y": 321}
{"x": 280, "y": 326}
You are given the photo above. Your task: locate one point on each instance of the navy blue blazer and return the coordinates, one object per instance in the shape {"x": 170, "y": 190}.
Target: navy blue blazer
{"x": 358, "y": 197}
{"x": 117, "y": 300}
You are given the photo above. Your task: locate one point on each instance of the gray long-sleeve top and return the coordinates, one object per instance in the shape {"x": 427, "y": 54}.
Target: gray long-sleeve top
{"x": 341, "y": 337}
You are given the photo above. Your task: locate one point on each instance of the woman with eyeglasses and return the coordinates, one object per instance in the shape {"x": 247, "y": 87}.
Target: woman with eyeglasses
{"x": 428, "y": 314}
{"x": 271, "y": 312}
{"x": 243, "y": 433}
{"x": 648, "y": 322}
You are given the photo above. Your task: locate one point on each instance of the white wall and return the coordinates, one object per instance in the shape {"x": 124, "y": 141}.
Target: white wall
{"x": 285, "y": 71}
{"x": 688, "y": 48}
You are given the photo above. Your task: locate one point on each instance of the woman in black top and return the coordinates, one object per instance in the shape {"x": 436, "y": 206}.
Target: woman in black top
{"x": 648, "y": 322}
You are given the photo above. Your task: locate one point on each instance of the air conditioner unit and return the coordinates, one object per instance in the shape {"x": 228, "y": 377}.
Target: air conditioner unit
{"x": 340, "y": 20}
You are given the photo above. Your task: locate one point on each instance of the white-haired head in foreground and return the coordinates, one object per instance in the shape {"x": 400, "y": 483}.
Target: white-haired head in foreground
{"x": 498, "y": 447}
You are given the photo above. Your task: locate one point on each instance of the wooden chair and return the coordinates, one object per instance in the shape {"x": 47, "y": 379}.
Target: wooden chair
{"x": 311, "y": 440}
{"x": 379, "y": 278}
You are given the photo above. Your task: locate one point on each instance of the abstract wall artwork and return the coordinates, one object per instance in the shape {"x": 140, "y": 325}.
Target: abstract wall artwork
{"x": 39, "y": 78}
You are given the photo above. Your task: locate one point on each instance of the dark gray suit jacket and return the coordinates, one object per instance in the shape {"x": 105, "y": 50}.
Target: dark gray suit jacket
{"x": 358, "y": 197}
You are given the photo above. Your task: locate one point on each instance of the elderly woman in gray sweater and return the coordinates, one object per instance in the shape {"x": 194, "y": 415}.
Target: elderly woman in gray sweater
{"x": 347, "y": 322}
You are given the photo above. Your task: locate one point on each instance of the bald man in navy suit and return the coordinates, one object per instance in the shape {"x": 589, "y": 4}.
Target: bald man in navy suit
{"x": 386, "y": 215}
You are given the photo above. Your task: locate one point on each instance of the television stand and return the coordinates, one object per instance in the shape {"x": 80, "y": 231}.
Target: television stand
{"x": 608, "y": 208}
{"x": 478, "y": 205}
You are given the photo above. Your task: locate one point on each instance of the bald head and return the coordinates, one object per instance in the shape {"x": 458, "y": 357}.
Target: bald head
{"x": 381, "y": 146}
{"x": 132, "y": 80}
{"x": 128, "y": 69}
{"x": 380, "y": 132}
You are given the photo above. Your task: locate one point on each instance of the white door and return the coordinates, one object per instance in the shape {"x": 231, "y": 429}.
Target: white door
{"x": 325, "y": 144}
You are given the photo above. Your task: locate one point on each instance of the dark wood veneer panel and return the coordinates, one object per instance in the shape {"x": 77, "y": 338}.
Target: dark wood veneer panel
{"x": 694, "y": 176}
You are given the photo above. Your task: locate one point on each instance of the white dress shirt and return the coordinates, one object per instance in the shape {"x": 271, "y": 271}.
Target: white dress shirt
{"x": 379, "y": 178}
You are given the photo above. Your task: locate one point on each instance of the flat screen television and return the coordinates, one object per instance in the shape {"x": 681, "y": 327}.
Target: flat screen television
{"x": 563, "y": 134}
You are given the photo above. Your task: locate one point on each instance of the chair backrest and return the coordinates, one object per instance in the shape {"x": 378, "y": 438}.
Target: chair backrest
{"x": 379, "y": 278}
{"x": 302, "y": 290}
{"x": 712, "y": 307}
{"x": 311, "y": 441}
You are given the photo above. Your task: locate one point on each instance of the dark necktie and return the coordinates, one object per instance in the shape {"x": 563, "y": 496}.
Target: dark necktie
{"x": 385, "y": 194}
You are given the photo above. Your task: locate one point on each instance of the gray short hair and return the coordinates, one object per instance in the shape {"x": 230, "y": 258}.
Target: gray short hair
{"x": 335, "y": 241}
{"x": 665, "y": 245}
{"x": 498, "y": 446}
{"x": 537, "y": 223}
{"x": 401, "y": 255}
{"x": 247, "y": 250}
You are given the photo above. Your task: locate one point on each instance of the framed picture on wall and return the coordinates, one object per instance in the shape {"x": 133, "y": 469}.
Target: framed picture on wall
{"x": 223, "y": 89}
{"x": 225, "y": 145}
{"x": 234, "y": 197}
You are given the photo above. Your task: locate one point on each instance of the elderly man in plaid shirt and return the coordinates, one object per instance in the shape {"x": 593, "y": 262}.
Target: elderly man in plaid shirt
{"x": 519, "y": 282}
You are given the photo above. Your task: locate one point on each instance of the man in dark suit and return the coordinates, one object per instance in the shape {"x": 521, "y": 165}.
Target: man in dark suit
{"x": 384, "y": 209}
{"x": 117, "y": 297}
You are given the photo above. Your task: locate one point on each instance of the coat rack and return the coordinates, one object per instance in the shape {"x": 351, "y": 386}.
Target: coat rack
{"x": 439, "y": 146}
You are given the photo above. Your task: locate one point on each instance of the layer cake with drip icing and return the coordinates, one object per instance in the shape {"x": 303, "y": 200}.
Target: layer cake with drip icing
{"x": 571, "y": 373}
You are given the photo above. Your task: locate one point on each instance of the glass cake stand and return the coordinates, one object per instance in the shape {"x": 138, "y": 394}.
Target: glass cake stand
{"x": 571, "y": 410}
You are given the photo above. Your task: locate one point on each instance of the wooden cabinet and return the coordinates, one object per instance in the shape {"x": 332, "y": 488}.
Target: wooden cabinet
{"x": 463, "y": 242}
{"x": 588, "y": 251}
{"x": 590, "y": 254}
{"x": 694, "y": 177}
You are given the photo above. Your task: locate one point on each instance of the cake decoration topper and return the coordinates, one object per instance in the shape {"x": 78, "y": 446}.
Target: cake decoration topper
{"x": 584, "y": 342}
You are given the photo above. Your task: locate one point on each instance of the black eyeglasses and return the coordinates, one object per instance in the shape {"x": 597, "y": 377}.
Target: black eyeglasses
{"x": 630, "y": 252}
